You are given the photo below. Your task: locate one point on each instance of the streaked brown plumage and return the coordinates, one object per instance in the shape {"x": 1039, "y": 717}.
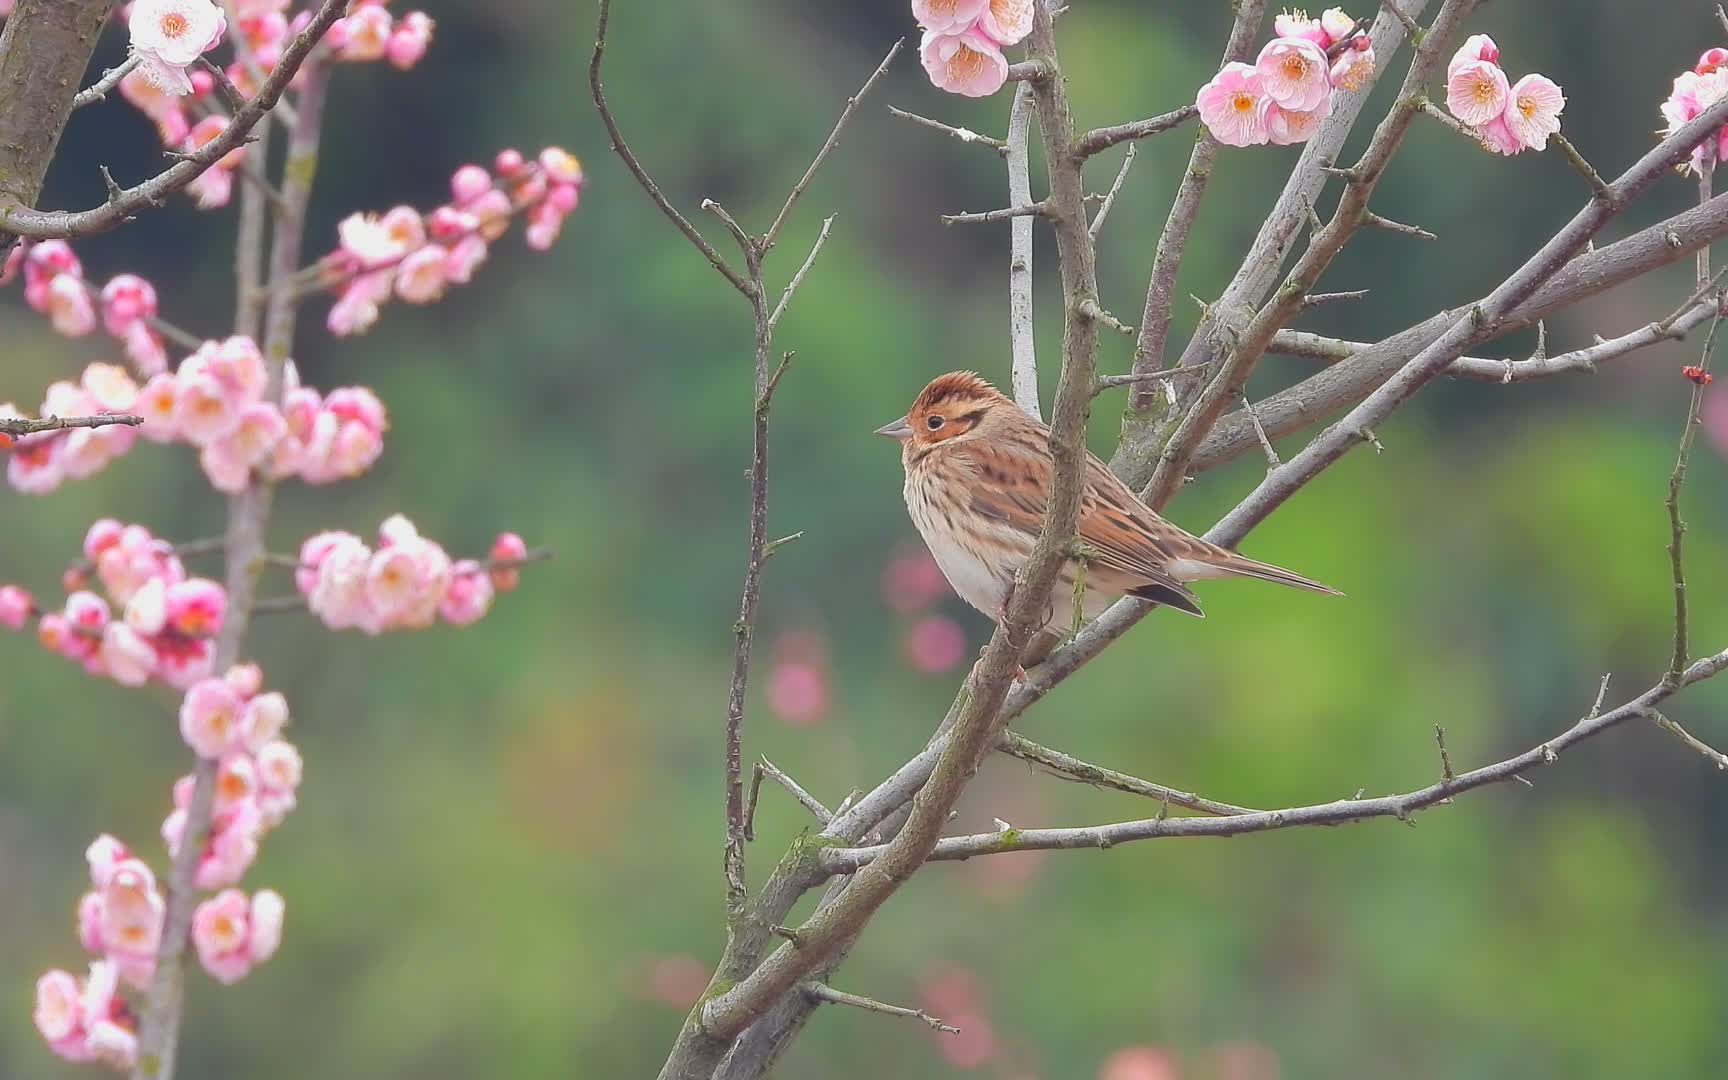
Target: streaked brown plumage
{"x": 977, "y": 483}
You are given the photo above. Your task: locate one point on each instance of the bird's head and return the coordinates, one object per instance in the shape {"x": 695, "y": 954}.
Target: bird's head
{"x": 951, "y": 407}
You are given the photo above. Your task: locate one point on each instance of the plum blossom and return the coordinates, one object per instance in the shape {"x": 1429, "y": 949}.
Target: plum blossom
{"x": 212, "y": 718}
{"x": 1533, "y": 111}
{"x": 234, "y": 933}
{"x": 168, "y": 35}
{"x": 1693, "y": 92}
{"x": 121, "y": 917}
{"x": 232, "y": 846}
{"x": 1006, "y": 22}
{"x": 469, "y": 595}
{"x": 1476, "y": 91}
{"x": 16, "y": 606}
{"x": 966, "y": 63}
{"x": 1230, "y": 106}
{"x": 1295, "y": 74}
{"x": 409, "y": 40}
{"x": 85, "y": 1020}
{"x": 1285, "y": 127}
{"x": 1476, "y": 47}
{"x": 1296, "y": 25}
{"x": 947, "y": 16}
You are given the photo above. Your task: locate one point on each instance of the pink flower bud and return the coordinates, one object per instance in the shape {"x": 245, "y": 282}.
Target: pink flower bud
{"x": 86, "y": 613}
{"x": 126, "y": 299}
{"x": 469, "y": 595}
{"x": 420, "y": 279}
{"x": 266, "y": 716}
{"x": 68, "y": 306}
{"x": 508, "y": 548}
{"x": 560, "y": 165}
{"x": 509, "y": 162}
{"x": 465, "y": 257}
{"x": 409, "y": 40}
{"x": 469, "y": 183}
{"x": 366, "y": 32}
{"x": 196, "y": 607}
{"x": 16, "y": 607}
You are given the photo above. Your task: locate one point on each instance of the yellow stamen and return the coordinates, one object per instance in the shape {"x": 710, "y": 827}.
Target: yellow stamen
{"x": 174, "y": 24}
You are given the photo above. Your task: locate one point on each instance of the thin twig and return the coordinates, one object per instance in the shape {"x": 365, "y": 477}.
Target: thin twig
{"x": 1676, "y": 480}
{"x": 827, "y": 994}
{"x": 1316, "y": 299}
{"x": 1713, "y": 755}
{"x": 1272, "y": 461}
{"x": 1411, "y": 27}
{"x": 1072, "y": 768}
{"x": 1375, "y": 221}
{"x": 1446, "y": 756}
{"x": 100, "y": 89}
{"x": 1110, "y": 382}
{"x": 1583, "y": 167}
{"x": 965, "y": 135}
{"x": 643, "y": 180}
{"x": 1101, "y": 139}
{"x": 1091, "y": 309}
{"x": 225, "y": 88}
{"x": 798, "y": 278}
{"x": 828, "y": 146}
{"x": 1037, "y": 209}
{"x": 767, "y": 768}
{"x": 1110, "y": 196}
{"x": 18, "y": 427}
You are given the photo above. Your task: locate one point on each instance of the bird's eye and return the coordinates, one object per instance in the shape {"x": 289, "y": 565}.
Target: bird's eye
{"x": 934, "y": 423}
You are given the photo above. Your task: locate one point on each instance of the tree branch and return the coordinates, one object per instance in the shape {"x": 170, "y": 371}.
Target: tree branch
{"x": 1072, "y": 768}
{"x": 1103, "y": 837}
{"x": 828, "y": 995}
{"x": 99, "y": 90}
{"x": 18, "y": 427}
{"x": 1110, "y": 196}
{"x": 17, "y": 217}
{"x": 965, "y": 135}
{"x": 1100, "y": 139}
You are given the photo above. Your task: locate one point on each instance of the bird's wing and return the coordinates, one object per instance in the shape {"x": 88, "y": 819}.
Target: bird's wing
{"x": 1011, "y": 487}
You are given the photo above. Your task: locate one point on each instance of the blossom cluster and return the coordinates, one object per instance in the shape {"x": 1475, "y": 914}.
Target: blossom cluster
{"x": 1283, "y": 96}
{"x": 963, "y": 41}
{"x": 215, "y": 402}
{"x": 54, "y": 284}
{"x": 1694, "y": 91}
{"x": 406, "y": 583}
{"x": 121, "y": 918}
{"x": 416, "y": 258}
{"x": 169, "y": 36}
{"x": 150, "y": 622}
{"x": 1508, "y": 117}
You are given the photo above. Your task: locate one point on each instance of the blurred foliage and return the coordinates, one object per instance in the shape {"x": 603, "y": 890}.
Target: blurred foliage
{"x": 506, "y": 861}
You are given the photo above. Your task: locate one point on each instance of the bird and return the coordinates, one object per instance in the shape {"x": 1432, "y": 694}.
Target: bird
{"x": 978, "y": 470}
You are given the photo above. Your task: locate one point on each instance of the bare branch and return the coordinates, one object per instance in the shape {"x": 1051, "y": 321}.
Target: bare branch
{"x": 18, "y": 427}
{"x": 1173, "y": 241}
{"x": 1110, "y": 196}
{"x": 1037, "y": 209}
{"x": 643, "y": 180}
{"x": 965, "y": 135}
{"x": 1583, "y": 167}
{"x": 1313, "y": 300}
{"x": 828, "y": 146}
{"x": 767, "y": 768}
{"x": 851, "y": 860}
{"x": 1072, "y": 768}
{"x": 1272, "y": 461}
{"x": 828, "y": 995}
{"x": 1023, "y": 363}
{"x": 18, "y": 218}
{"x": 1100, "y": 139}
{"x": 99, "y": 90}
{"x": 798, "y": 278}
{"x": 1711, "y": 754}
{"x": 1375, "y": 221}
{"x": 1410, "y": 26}
{"x": 1110, "y": 382}
{"x": 1676, "y": 527}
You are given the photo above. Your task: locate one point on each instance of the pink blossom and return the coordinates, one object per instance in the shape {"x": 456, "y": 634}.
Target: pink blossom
{"x": 1296, "y": 25}
{"x": 465, "y": 257}
{"x": 264, "y": 718}
{"x": 1140, "y": 1063}
{"x": 169, "y": 35}
{"x": 144, "y": 348}
{"x": 312, "y": 553}
{"x": 147, "y": 610}
{"x": 104, "y": 854}
{"x": 87, "y": 613}
{"x": 68, "y": 306}
{"x": 126, "y": 300}
{"x": 508, "y": 548}
{"x": 211, "y": 718}
{"x": 1230, "y": 106}
{"x": 196, "y": 607}
{"x": 236, "y": 781}
{"x": 468, "y": 183}
{"x": 16, "y": 607}
{"x": 420, "y": 278}
{"x": 409, "y": 40}
{"x": 1287, "y": 126}
{"x": 1476, "y": 91}
{"x": 339, "y": 594}
{"x": 34, "y": 466}
{"x": 1476, "y": 47}
{"x": 544, "y": 223}
{"x": 279, "y": 771}
{"x": 128, "y": 658}
{"x": 246, "y": 679}
{"x": 230, "y": 850}
{"x": 1006, "y": 22}
{"x": 508, "y": 162}
{"x": 163, "y": 109}
{"x": 122, "y": 918}
{"x": 405, "y": 582}
{"x": 204, "y": 409}
{"x": 492, "y": 212}
{"x": 1336, "y": 24}
{"x": 469, "y": 595}
{"x": 85, "y": 1020}
{"x": 947, "y": 16}
{"x": 355, "y": 310}
{"x": 1353, "y": 68}
{"x": 109, "y": 387}
{"x": 365, "y": 33}
{"x": 560, "y": 166}
{"x": 233, "y": 934}
{"x": 182, "y": 662}
{"x": 965, "y": 62}
{"x": 1294, "y": 73}
{"x": 1497, "y": 136}
{"x": 1533, "y": 110}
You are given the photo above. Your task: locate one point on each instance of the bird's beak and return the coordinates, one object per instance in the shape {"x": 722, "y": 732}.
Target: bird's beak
{"x": 899, "y": 429}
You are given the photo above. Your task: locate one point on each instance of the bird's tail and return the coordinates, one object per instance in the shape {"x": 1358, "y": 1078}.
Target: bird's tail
{"x": 1225, "y": 563}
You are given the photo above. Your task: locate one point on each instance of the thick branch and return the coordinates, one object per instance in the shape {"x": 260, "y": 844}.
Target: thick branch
{"x": 20, "y": 427}
{"x": 1023, "y": 367}
{"x": 16, "y": 217}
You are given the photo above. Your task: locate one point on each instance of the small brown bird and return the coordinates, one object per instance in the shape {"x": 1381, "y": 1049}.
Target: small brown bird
{"x": 977, "y": 484}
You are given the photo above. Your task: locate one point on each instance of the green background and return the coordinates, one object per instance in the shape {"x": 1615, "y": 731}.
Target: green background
{"x": 507, "y": 857}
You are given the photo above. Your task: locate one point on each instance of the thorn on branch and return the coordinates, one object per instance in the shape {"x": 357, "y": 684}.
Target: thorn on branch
{"x": 965, "y": 135}
{"x": 1375, "y": 221}
{"x": 772, "y": 546}
{"x": 796, "y": 937}
{"x": 1090, "y": 309}
{"x": 827, "y": 994}
{"x": 114, "y": 189}
{"x": 98, "y": 90}
{"x": 1272, "y": 461}
{"x": 1313, "y": 300}
{"x": 767, "y": 397}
